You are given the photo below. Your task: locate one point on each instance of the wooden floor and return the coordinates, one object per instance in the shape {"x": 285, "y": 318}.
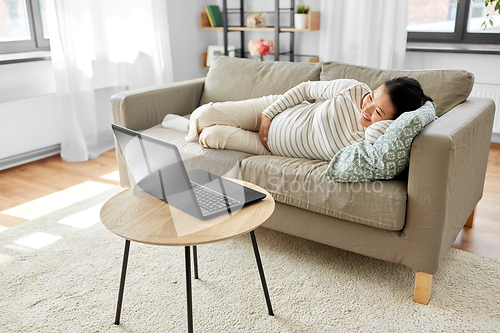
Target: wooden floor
{"x": 34, "y": 180}
{"x": 31, "y": 181}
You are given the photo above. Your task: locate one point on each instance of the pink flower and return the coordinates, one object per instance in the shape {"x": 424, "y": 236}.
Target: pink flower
{"x": 270, "y": 44}
{"x": 264, "y": 46}
{"x": 264, "y": 49}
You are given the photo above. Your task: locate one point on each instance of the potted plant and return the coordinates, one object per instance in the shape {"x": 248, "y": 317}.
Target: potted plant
{"x": 301, "y": 17}
{"x": 493, "y": 4}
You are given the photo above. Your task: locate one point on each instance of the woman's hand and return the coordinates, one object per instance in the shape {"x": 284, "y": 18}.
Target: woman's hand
{"x": 265, "y": 122}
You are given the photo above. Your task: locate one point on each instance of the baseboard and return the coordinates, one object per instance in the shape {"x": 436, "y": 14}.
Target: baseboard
{"x": 495, "y": 137}
{"x": 31, "y": 156}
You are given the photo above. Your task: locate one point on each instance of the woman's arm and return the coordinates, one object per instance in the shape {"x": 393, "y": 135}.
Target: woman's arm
{"x": 306, "y": 91}
{"x": 265, "y": 123}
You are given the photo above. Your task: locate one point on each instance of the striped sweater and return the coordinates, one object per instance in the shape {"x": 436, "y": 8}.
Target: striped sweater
{"x": 376, "y": 130}
{"x": 318, "y": 130}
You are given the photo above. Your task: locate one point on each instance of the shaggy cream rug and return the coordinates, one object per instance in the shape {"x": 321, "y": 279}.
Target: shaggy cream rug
{"x": 61, "y": 272}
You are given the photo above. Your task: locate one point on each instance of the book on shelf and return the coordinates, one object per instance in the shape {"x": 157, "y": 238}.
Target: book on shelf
{"x": 209, "y": 18}
{"x": 214, "y": 16}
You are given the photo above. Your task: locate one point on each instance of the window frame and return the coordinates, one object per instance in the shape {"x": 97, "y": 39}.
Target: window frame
{"x": 460, "y": 35}
{"x": 37, "y": 41}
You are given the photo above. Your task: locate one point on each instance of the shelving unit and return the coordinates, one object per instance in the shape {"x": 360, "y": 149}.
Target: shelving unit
{"x": 313, "y": 25}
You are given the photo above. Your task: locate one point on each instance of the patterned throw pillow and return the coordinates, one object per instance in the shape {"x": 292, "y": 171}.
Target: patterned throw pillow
{"x": 388, "y": 156}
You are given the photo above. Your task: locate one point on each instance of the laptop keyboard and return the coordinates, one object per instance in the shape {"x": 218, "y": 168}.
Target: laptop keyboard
{"x": 210, "y": 200}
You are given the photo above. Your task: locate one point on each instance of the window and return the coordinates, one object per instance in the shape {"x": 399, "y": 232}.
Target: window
{"x": 23, "y": 26}
{"x": 464, "y": 21}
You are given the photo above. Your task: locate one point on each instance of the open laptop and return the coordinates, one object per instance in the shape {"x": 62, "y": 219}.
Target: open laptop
{"x": 158, "y": 169}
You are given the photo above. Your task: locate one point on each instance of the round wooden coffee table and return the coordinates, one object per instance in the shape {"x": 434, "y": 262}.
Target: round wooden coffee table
{"x": 153, "y": 221}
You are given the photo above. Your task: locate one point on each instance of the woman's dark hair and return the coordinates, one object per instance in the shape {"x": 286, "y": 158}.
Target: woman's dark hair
{"x": 406, "y": 94}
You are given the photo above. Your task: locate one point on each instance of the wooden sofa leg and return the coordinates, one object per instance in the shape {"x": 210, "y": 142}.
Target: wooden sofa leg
{"x": 472, "y": 217}
{"x": 423, "y": 288}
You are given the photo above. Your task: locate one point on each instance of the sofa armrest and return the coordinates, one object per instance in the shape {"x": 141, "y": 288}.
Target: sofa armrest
{"x": 144, "y": 108}
{"x": 446, "y": 179}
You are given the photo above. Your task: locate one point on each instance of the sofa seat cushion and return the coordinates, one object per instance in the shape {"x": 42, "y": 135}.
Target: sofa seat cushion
{"x": 236, "y": 79}
{"x": 458, "y": 83}
{"x": 301, "y": 183}
{"x": 195, "y": 156}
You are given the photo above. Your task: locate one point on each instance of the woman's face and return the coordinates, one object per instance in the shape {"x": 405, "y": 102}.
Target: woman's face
{"x": 376, "y": 106}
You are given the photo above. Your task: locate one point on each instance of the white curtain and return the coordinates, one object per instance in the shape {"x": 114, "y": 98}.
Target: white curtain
{"x": 364, "y": 32}
{"x": 100, "y": 47}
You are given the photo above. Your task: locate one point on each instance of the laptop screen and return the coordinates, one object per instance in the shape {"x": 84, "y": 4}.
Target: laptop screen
{"x": 157, "y": 166}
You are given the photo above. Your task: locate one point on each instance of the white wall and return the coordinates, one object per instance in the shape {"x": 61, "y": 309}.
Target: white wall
{"x": 485, "y": 67}
{"x": 186, "y": 38}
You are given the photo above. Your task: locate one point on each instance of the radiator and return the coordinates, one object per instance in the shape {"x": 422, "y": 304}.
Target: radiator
{"x": 489, "y": 91}
{"x": 28, "y": 125}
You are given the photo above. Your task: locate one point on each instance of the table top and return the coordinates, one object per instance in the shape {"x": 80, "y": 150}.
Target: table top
{"x": 152, "y": 221}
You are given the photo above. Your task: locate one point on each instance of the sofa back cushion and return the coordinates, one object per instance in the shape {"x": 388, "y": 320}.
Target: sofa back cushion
{"x": 447, "y": 88}
{"x": 235, "y": 79}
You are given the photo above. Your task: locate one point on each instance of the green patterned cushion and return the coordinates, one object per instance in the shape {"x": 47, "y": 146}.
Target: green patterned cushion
{"x": 387, "y": 157}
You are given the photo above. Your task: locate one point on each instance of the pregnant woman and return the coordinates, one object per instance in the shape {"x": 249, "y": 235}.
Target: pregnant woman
{"x": 344, "y": 112}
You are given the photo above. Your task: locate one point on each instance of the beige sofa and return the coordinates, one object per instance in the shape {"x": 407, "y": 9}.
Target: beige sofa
{"x": 411, "y": 220}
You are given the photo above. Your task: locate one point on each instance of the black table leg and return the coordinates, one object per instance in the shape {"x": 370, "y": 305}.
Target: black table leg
{"x": 195, "y": 258}
{"x": 261, "y": 272}
{"x": 188, "y": 289}
{"x": 122, "y": 283}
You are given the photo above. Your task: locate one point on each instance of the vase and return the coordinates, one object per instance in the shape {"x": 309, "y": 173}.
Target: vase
{"x": 301, "y": 21}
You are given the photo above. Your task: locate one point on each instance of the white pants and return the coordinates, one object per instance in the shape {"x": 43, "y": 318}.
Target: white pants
{"x": 231, "y": 125}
